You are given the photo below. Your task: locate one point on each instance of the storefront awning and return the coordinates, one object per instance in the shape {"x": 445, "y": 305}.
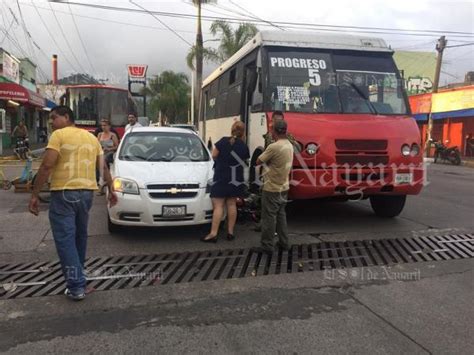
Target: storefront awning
{"x": 15, "y": 92}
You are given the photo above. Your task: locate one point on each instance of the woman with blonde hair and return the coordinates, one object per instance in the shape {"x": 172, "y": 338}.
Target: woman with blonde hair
{"x": 230, "y": 155}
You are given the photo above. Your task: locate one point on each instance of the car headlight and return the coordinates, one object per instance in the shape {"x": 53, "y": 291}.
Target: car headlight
{"x": 312, "y": 148}
{"x": 406, "y": 150}
{"x": 209, "y": 185}
{"x": 415, "y": 150}
{"x": 125, "y": 186}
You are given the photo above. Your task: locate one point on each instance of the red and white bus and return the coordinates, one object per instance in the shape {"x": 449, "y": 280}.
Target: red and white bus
{"x": 345, "y": 105}
{"x": 91, "y": 103}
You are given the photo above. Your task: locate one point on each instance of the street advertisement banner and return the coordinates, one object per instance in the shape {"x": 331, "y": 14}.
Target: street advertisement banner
{"x": 11, "y": 68}
{"x": 418, "y": 70}
{"x": 137, "y": 71}
{"x": 459, "y": 99}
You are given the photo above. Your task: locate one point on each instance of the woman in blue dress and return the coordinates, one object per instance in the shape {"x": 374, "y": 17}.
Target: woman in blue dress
{"x": 230, "y": 155}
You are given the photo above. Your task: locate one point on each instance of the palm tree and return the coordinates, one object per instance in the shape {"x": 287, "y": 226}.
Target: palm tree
{"x": 230, "y": 42}
{"x": 169, "y": 94}
{"x": 199, "y": 53}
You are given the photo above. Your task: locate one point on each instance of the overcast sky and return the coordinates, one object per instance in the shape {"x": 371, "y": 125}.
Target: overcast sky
{"x": 113, "y": 39}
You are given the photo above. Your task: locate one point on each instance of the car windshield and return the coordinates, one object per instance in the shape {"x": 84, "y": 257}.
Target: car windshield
{"x": 334, "y": 82}
{"x": 163, "y": 146}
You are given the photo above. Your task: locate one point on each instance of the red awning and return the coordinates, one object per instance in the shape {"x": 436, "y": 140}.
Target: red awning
{"x": 15, "y": 92}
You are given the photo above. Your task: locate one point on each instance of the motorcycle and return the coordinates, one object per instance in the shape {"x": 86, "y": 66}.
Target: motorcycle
{"x": 21, "y": 148}
{"x": 443, "y": 152}
{"x": 247, "y": 209}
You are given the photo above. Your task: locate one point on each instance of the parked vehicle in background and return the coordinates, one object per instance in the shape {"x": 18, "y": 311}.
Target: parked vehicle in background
{"x": 144, "y": 121}
{"x": 445, "y": 153}
{"x": 91, "y": 103}
{"x": 162, "y": 177}
{"x": 21, "y": 148}
{"x": 345, "y": 105}
{"x": 185, "y": 126}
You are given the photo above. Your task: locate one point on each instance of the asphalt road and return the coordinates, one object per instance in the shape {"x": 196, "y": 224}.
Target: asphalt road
{"x": 298, "y": 313}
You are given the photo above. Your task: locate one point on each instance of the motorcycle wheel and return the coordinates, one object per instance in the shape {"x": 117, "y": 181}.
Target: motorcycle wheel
{"x": 456, "y": 160}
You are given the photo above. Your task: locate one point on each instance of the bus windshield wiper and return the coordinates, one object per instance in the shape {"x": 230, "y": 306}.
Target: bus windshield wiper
{"x": 366, "y": 99}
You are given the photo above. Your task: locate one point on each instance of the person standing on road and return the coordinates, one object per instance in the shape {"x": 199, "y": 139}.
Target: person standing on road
{"x": 108, "y": 140}
{"x": 230, "y": 155}
{"x": 276, "y": 160}
{"x": 70, "y": 158}
{"x": 132, "y": 122}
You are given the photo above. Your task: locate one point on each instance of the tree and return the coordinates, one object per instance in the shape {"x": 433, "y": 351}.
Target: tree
{"x": 199, "y": 55}
{"x": 230, "y": 42}
{"x": 169, "y": 94}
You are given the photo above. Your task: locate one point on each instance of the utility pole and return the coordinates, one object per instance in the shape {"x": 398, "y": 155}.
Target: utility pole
{"x": 199, "y": 63}
{"x": 440, "y": 46}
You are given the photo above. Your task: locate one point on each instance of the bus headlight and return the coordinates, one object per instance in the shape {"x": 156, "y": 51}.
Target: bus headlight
{"x": 125, "y": 186}
{"x": 415, "y": 150}
{"x": 406, "y": 150}
{"x": 312, "y": 148}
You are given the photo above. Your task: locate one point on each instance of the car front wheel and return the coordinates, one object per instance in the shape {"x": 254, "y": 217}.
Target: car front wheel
{"x": 113, "y": 228}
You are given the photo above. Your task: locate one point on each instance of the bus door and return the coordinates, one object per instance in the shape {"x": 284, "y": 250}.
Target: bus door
{"x": 249, "y": 83}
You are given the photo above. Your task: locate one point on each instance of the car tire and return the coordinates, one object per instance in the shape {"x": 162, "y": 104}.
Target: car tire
{"x": 387, "y": 206}
{"x": 113, "y": 228}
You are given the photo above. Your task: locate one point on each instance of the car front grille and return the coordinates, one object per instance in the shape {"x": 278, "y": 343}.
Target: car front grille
{"x": 161, "y": 218}
{"x": 172, "y": 191}
{"x": 183, "y": 194}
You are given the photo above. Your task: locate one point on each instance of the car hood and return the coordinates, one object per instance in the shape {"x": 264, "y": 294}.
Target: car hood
{"x": 145, "y": 173}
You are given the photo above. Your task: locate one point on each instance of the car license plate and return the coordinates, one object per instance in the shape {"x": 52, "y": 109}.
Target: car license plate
{"x": 174, "y": 211}
{"x": 403, "y": 178}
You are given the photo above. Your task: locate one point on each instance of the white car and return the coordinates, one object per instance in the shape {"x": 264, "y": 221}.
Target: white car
{"x": 162, "y": 177}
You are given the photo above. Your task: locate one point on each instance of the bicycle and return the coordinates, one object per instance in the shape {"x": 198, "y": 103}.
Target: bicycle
{"x": 4, "y": 182}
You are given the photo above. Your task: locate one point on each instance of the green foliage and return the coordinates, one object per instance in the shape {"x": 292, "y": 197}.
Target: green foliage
{"x": 230, "y": 42}
{"x": 169, "y": 93}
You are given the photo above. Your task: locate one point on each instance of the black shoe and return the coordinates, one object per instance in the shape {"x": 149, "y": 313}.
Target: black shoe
{"x": 230, "y": 236}
{"x": 261, "y": 250}
{"x": 209, "y": 240}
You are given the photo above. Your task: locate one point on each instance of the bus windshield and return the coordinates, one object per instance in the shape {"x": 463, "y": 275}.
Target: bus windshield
{"x": 322, "y": 81}
{"x": 92, "y": 104}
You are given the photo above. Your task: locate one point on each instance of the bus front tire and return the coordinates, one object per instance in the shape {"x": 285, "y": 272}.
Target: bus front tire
{"x": 387, "y": 206}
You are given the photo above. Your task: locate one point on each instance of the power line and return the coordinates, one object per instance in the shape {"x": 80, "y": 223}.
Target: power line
{"x": 255, "y": 16}
{"x": 80, "y": 38}
{"x": 22, "y": 51}
{"x": 26, "y": 32}
{"x": 461, "y": 45}
{"x": 53, "y": 38}
{"x": 163, "y": 23}
{"x": 335, "y": 28}
{"x": 111, "y": 21}
{"x": 66, "y": 40}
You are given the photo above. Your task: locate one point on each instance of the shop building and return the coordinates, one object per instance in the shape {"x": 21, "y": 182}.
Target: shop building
{"x": 452, "y": 110}
{"x": 19, "y": 99}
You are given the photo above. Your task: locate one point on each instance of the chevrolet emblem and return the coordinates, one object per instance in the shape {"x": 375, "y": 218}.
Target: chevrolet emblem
{"x": 173, "y": 190}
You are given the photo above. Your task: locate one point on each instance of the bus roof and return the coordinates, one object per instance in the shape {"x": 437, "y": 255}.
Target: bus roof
{"x": 95, "y": 86}
{"x": 302, "y": 40}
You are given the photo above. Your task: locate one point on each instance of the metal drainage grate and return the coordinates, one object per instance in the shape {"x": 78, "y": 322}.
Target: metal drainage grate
{"x": 123, "y": 272}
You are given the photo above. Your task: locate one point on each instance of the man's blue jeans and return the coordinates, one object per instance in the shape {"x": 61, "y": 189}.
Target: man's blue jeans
{"x": 69, "y": 216}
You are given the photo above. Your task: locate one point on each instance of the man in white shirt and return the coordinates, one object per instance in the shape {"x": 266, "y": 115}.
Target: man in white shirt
{"x": 132, "y": 122}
